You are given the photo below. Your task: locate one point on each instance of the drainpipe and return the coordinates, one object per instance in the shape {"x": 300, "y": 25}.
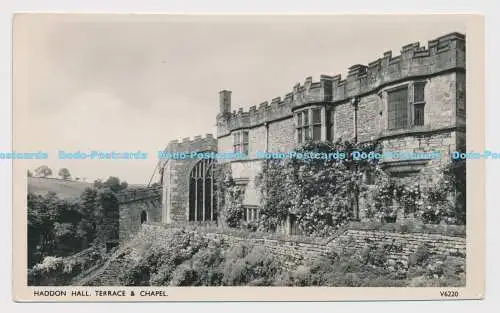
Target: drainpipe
{"x": 354, "y": 103}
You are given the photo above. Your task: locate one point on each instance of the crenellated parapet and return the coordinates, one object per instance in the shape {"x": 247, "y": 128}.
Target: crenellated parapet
{"x": 139, "y": 194}
{"x": 441, "y": 54}
{"x": 197, "y": 144}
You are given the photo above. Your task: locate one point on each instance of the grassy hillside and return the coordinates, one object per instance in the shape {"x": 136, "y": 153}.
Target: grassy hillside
{"x": 65, "y": 189}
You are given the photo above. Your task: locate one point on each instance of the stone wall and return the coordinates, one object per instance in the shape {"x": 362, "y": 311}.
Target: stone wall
{"x": 344, "y": 121}
{"x": 281, "y": 136}
{"x": 225, "y": 144}
{"x": 256, "y": 141}
{"x": 370, "y": 120}
{"x": 176, "y": 173}
{"x": 430, "y": 170}
{"x": 403, "y": 245}
{"x": 400, "y": 246}
{"x": 244, "y": 172}
{"x": 130, "y": 216}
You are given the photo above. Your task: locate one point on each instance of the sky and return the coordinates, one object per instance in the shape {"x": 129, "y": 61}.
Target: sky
{"x": 132, "y": 83}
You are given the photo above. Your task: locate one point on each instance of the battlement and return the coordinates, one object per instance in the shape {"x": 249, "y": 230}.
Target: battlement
{"x": 198, "y": 143}
{"x": 146, "y": 193}
{"x": 441, "y": 54}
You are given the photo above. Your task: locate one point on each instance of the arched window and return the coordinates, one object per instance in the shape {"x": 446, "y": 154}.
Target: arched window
{"x": 202, "y": 199}
{"x": 144, "y": 217}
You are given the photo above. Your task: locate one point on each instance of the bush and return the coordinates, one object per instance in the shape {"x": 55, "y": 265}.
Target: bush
{"x": 138, "y": 275}
{"x": 59, "y": 271}
{"x": 419, "y": 257}
{"x": 158, "y": 264}
{"x": 249, "y": 265}
{"x": 374, "y": 255}
{"x": 204, "y": 269}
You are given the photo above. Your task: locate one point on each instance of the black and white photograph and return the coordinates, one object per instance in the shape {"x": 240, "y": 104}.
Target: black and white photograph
{"x": 162, "y": 151}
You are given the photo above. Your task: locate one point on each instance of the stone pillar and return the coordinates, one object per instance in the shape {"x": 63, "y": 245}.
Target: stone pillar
{"x": 166, "y": 189}
{"x": 411, "y": 110}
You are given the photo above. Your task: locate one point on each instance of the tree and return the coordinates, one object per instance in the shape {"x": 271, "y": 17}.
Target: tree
{"x": 64, "y": 174}
{"x": 58, "y": 227}
{"x": 108, "y": 228}
{"x": 113, "y": 183}
{"x": 98, "y": 184}
{"x": 43, "y": 171}
{"x": 50, "y": 227}
{"x": 91, "y": 215}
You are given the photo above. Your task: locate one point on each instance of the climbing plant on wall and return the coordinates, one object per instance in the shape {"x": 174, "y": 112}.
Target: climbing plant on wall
{"x": 230, "y": 197}
{"x": 317, "y": 186}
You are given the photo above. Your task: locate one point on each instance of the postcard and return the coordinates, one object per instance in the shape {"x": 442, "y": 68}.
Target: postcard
{"x": 198, "y": 157}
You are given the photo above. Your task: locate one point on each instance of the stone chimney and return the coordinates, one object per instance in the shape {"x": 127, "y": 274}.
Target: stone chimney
{"x": 225, "y": 101}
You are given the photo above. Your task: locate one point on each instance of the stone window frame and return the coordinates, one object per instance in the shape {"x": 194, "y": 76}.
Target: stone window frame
{"x": 412, "y": 103}
{"x": 418, "y": 104}
{"x": 202, "y": 176}
{"x": 400, "y": 107}
{"x": 305, "y": 123}
{"x": 316, "y": 124}
{"x": 251, "y": 213}
{"x": 330, "y": 123}
{"x": 241, "y": 141}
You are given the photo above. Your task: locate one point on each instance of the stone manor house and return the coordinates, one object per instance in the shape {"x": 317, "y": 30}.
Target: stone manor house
{"x": 413, "y": 102}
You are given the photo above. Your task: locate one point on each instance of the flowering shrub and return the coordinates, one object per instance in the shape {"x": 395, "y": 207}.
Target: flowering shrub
{"x": 234, "y": 205}
{"x": 49, "y": 264}
{"x": 441, "y": 202}
{"x": 230, "y": 196}
{"x": 59, "y": 271}
{"x": 321, "y": 193}
{"x": 385, "y": 192}
{"x": 446, "y": 200}
{"x": 410, "y": 198}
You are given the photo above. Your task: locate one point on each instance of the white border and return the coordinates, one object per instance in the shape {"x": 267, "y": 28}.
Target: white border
{"x": 7, "y": 7}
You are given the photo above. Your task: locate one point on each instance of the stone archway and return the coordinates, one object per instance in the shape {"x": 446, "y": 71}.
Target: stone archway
{"x": 144, "y": 217}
